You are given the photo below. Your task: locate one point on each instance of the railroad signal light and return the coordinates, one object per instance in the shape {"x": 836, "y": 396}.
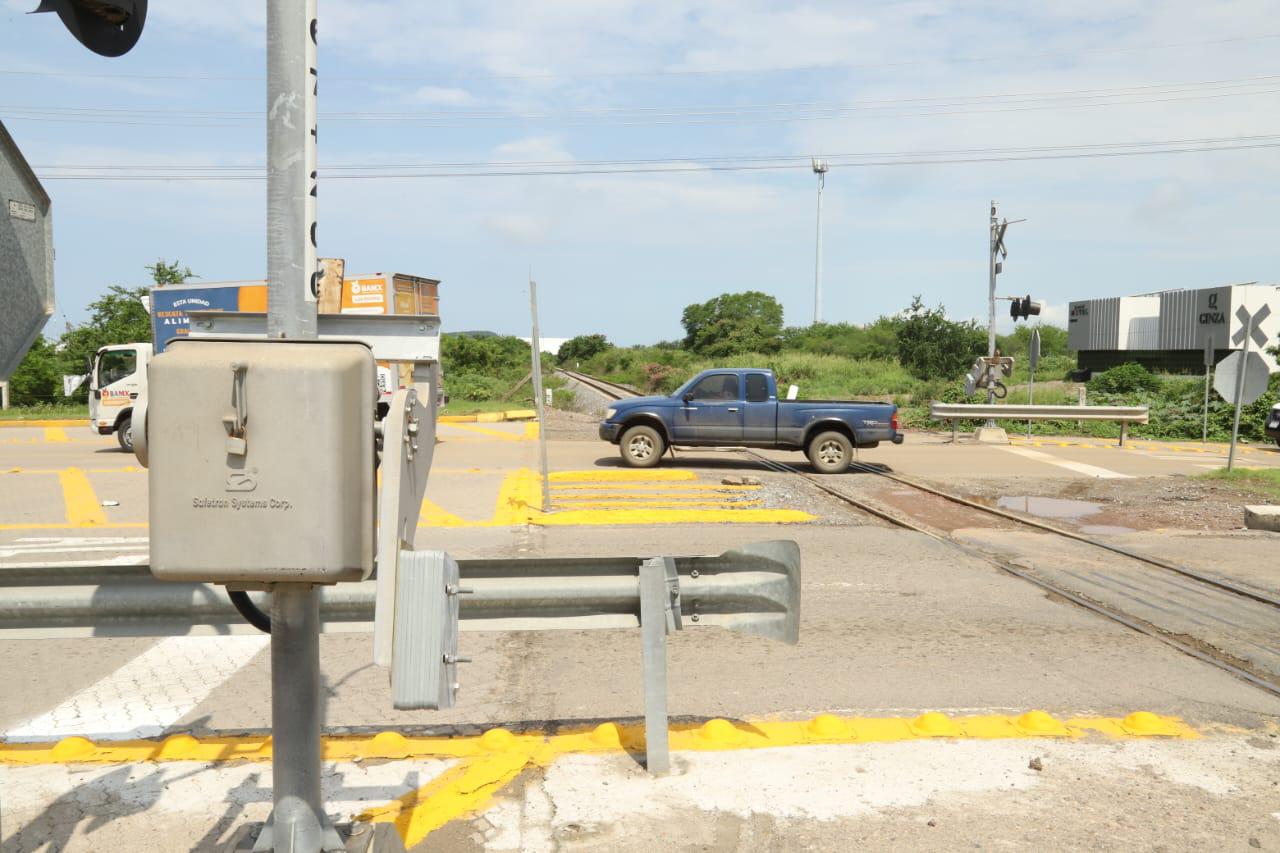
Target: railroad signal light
{"x": 107, "y": 27}
{"x": 1021, "y": 309}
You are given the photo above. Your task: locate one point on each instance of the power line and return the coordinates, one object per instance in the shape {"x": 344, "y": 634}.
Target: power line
{"x": 906, "y": 159}
{"x": 707, "y": 158}
{"x": 729, "y": 115}
{"x": 658, "y": 73}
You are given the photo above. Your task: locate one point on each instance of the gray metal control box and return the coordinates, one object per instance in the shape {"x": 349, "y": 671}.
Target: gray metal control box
{"x": 262, "y": 462}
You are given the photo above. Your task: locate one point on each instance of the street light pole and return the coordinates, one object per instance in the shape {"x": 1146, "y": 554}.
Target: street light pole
{"x": 819, "y": 169}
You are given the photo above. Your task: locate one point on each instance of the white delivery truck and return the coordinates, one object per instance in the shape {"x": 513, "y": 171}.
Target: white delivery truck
{"x": 117, "y": 381}
{"x": 118, "y": 377}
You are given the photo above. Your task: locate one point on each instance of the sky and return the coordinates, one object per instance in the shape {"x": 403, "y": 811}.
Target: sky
{"x": 1017, "y": 91}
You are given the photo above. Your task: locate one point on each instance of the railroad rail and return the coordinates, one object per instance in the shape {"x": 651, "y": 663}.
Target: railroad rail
{"x": 611, "y": 390}
{"x": 1263, "y": 601}
{"x": 1201, "y": 651}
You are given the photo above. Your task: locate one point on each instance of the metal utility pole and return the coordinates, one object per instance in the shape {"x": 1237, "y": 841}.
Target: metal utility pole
{"x": 538, "y": 401}
{"x": 996, "y": 253}
{"x": 819, "y": 169}
{"x": 298, "y": 823}
{"x": 1244, "y": 363}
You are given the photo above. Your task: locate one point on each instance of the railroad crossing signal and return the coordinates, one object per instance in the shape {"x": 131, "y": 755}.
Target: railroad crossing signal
{"x": 1259, "y": 337}
{"x": 107, "y": 27}
{"x": 1021, "y": 309}
{"x": 985, "y": 373}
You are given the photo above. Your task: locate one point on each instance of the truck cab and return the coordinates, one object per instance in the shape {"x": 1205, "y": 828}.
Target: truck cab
{"x": 117, "y": 381}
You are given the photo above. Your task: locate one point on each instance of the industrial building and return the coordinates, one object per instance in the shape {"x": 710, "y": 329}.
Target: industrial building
{"x": 1169, "y": 331}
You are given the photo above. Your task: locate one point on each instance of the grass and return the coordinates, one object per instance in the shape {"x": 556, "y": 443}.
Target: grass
{"x": 46, "y": 411}
{"x": 475, "y": 407}
{"x": 1261, "y": 481}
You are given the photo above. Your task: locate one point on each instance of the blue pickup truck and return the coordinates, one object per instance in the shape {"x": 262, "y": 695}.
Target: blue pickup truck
{"x": 740, "y": 408}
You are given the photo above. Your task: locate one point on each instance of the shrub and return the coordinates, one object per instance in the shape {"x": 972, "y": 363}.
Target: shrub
{"x": 1124, "y": 379}
{"x": 582, "y": 348}
{"x": 933, "y": 347}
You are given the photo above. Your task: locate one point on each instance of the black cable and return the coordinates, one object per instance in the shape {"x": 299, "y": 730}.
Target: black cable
{"x": 245, "y": 607}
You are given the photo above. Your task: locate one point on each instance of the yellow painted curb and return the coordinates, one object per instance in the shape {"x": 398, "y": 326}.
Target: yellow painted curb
{"x": 55, "y": 422}
{"x": 713, "y": 734}
{"x": 484, "y": 417}
{"x": 485, "y": 763}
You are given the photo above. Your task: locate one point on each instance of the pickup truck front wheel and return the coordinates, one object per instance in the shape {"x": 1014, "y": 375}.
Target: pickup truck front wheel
{"x": 830, "y": 452}
{"x": 641, "y": 447}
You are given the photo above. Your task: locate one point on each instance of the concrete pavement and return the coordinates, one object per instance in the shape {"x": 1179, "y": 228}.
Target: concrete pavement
{"x": 894, "y": 625}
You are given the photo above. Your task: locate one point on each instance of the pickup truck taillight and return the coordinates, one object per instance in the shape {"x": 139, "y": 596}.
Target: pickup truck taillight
{"x": 893, "y": 421}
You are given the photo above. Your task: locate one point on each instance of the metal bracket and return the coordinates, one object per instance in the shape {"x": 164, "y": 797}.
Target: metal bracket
{"x": 408, "y": 444}
{"x": 674, "y": 621}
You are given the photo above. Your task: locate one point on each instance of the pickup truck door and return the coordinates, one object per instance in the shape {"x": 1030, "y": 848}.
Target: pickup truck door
{"x": 712, "y": 414}
{"x": 760, "y": 412}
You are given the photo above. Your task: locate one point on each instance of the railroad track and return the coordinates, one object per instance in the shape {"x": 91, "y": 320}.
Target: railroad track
{"x": 1233, "y": 614}
{"x": 611, "y": 390}
{"x": 1239, "y": 612}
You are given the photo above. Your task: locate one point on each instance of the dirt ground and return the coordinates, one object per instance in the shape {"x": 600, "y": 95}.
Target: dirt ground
{"x": 1141, "y": 503}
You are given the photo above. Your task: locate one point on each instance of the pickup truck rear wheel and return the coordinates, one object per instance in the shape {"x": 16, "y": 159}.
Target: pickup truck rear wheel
{"x": 830, "y": 452}
{"x": 641, "y": 446}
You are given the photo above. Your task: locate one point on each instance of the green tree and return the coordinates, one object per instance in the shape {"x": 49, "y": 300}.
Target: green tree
{"x": 163, "y": 273}
{"x": 733, "y": 323}
{"x": 118, "y": 317}
{"x": 878, "y": 340}
{"x": 38, "y": 379}
{"x": 934, "y": 347}
{"x": 1053, "y": 341}
{"x": 582, "y": 348}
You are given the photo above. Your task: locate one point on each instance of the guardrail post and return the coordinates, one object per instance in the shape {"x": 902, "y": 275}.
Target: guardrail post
{"x": 653, "y": 632}
{"x": 1124, "y": 426}
{"x": 954, "y": 438}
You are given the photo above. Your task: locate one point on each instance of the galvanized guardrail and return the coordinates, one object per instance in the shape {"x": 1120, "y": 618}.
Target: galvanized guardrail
{"x": 754, "y": 589}
{"x": 1123, "y": 415}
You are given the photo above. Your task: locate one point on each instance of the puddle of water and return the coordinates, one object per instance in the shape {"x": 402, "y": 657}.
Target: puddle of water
{"x": 1060, "y": 508}
{"x": 1104, "y": 529}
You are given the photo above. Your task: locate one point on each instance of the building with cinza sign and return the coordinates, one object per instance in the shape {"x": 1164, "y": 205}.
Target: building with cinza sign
{"x": 1168, "y": 331}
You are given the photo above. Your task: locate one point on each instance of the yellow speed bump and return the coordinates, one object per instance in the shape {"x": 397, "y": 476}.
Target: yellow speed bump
{"x": 480, "y": 765}
{"x": 713, "y": 734}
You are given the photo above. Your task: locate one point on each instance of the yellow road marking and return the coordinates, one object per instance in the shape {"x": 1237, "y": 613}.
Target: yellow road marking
{"x": 462, "y": 789}
{"x": 627, "y": 494}
{"x": 621, "y": 475}
{"x": 489, "y": 761}
{"x": 491, "y": 433}
{"x": 64, "y": 525}
{"x": 55, "y": 422}
{"x": 433, "y": 515}
{"x": 665, "y": 487}
{"x": 83, "y": 509}
{"x": 124, "y": 469}
{"x": 56, "y": 435}
{"x": 651, "y": 504}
